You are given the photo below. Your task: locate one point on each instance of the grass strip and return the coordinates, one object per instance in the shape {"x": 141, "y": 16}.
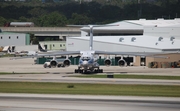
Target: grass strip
{"x": 4, "y": 73}
{"x": 105, "y": 76}
{"x": 131, "y": 76}
{"x": 90, "y": 89}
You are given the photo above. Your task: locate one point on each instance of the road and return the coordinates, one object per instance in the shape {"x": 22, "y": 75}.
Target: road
{"x": 47, "y": 102}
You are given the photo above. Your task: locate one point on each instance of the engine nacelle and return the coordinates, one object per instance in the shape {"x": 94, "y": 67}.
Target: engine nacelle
{"x": 107, "y": 62}
{"x": 54, "y": 63}
{"x": 60, "y": 63}
{"x": 122, "y": 62}
{"x": 67, "y": 62}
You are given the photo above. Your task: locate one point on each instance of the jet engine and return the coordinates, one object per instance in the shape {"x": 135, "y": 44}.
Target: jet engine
{"x": 67, "y": 62}
{"x": 122, "y": 62}
{"x": 60, "y": 63}
{"x": 107, "y": 62}
{"x": 53, "y": 63}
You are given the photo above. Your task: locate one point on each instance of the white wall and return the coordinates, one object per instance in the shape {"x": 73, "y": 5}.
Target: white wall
{"x": 26, "y": 48}
{"x": 74, "y": 44}
{"x": 163, "y": 31}
{"x": 12, "y": 39}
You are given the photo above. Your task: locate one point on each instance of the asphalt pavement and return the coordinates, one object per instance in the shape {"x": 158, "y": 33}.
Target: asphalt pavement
{"x": 27, "y": 66}
{"x": 48, "y": 102}
{"x": 61, "y": 74}
{"x": 55, "y": 102}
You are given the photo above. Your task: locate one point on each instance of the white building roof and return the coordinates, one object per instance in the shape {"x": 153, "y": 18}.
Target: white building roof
{"x": 122, "y": 25}
{"x": 138, "y": 24}
{"x": 134, "y": 26}
{"x": 157, "y": 23}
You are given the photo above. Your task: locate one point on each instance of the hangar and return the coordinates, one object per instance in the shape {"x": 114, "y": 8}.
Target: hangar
{"x": 8, "y": 38}
{"x": 161, "y": 36}
{"x": 15, "y": 41}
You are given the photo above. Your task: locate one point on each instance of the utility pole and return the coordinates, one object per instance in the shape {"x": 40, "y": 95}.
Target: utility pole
{"x": 140, "y": 9}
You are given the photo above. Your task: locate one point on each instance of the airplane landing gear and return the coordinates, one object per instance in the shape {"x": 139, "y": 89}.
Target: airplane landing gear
{"x": 86, "y": 71}
{"x": 78, "y": 71}
{"x": 98, "y": 71}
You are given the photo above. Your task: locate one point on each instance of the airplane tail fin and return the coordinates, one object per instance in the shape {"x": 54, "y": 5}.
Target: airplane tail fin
{"x": 9, "y": 50}
{"x": 91, "y": 31}
{"x": 41, "y": 49}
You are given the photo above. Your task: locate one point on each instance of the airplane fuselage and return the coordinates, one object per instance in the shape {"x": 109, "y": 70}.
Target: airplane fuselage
{"x": 88, "y": 62}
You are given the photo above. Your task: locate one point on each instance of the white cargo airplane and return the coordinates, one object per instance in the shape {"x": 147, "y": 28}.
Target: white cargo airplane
{"x": 88, "y": 59}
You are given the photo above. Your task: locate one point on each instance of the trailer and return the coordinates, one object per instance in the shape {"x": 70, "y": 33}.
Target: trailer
{"x": 21, "y": 24}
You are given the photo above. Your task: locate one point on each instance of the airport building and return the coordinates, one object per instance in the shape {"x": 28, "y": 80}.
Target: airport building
{"x": 8, "y": 38}
{"x": 54, "y": 45}
{"x": 15, "y": 41}
{"x": 157, "y": 36}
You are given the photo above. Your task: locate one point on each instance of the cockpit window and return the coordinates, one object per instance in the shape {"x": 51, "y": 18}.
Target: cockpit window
{"x": 85, "y": 58}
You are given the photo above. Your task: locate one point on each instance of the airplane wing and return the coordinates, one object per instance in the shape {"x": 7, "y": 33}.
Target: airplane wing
{"x": 59, "y": 53}
{"x": 23, "y": 57}
{"x": 41, "y": 54}
{"x": 147, "y": 54}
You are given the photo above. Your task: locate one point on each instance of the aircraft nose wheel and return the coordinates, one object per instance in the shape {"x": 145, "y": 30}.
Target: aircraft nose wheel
{"x": 78, "y": 71}
{"x": 84, "y": 72}
{"x": 98, "y": 71}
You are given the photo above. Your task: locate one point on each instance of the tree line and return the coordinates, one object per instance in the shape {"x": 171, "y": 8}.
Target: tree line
{"x": 58, "y": 14}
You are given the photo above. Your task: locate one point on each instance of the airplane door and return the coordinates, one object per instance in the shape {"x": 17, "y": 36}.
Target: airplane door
{"x": 13, "y": 48}
{"x": 45, "y": 47}
{"x": 50, "y": 46}
{"x": 143, "y": 61}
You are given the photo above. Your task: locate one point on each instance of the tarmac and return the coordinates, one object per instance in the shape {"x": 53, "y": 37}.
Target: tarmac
{"x": 28, "y": 66}
{"x": 26, "y": 70}
{"x": 56, "y": 102}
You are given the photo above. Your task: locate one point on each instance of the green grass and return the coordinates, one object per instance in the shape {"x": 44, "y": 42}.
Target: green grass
{"x": 7, "y": 55}
{"x": 89, "y": 89}
{"x": 131, "y": 76}
{"x": 4, "y": 73}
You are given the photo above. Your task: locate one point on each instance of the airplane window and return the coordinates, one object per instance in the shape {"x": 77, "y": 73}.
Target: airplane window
{"x": 1, "y": 37}
{"x": 85, "y": 58}
{"x": 88, "y": 58}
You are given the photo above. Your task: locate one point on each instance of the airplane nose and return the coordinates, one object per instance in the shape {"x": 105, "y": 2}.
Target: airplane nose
{"x": 85, "y": 62}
